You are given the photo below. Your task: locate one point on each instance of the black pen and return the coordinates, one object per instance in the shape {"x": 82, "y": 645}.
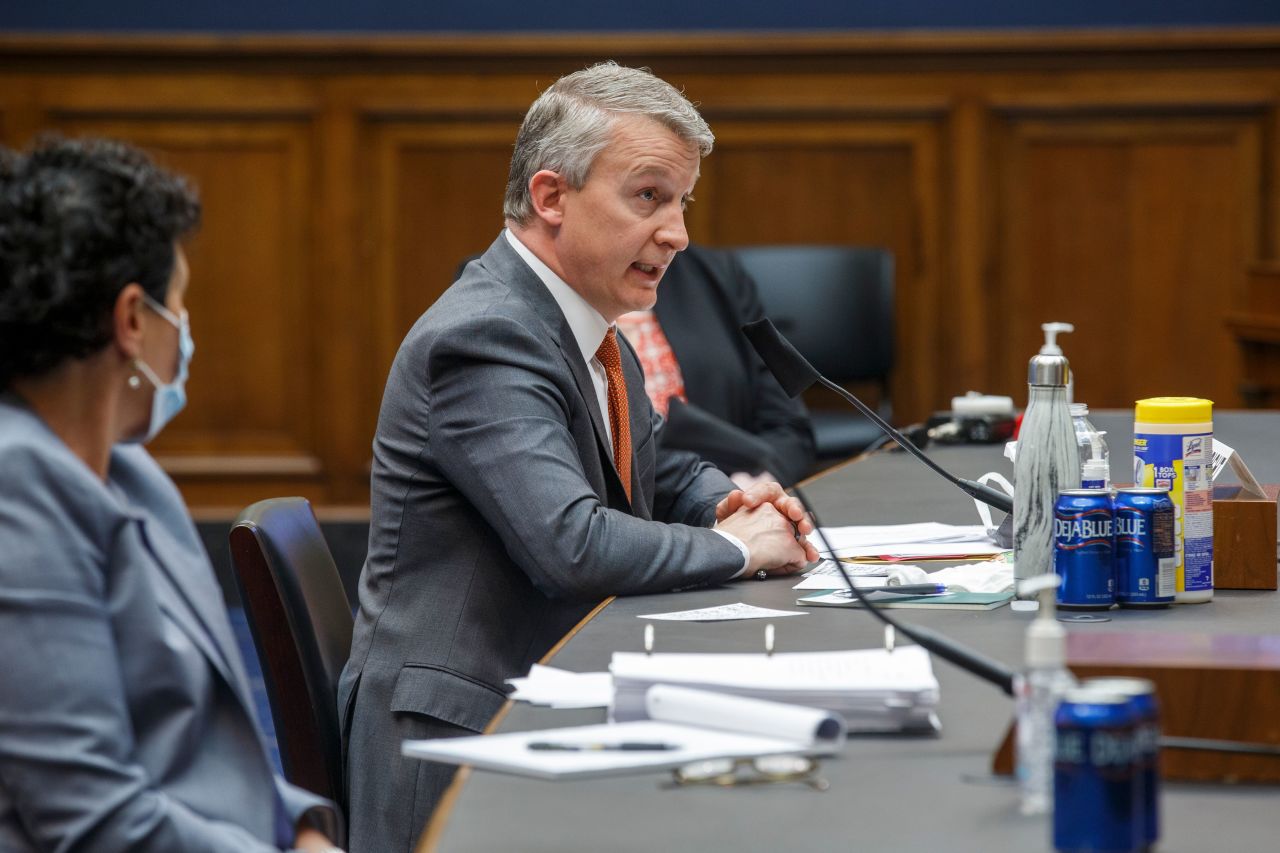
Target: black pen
{"x": 624, "y": 746}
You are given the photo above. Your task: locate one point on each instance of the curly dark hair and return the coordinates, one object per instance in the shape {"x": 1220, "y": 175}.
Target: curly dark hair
{"x": 80, "y": 219}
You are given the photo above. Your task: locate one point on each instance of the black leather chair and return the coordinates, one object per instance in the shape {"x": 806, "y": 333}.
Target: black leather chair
{"x": 835, "y": 304}
{"x": 301, "y": 624}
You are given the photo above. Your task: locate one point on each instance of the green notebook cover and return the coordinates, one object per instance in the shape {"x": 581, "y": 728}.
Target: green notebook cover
{"x": 946, "y": 601}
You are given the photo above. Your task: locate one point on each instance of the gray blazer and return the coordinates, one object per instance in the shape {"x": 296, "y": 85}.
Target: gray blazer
{"x": 498, "y": 522}
{"x": 126, "y": 722}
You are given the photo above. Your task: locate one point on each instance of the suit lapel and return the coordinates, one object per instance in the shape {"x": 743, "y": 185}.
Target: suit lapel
{"x": 188, "y": 602}
{"x": 503, "y": 261}
{"x": 582, "y": 378}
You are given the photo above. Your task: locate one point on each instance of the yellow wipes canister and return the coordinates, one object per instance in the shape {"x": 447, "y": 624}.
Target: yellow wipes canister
{"x": 1173, "y": 440}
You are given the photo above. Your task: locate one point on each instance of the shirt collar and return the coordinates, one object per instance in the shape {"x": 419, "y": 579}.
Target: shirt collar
{"x": 587, "y": 324}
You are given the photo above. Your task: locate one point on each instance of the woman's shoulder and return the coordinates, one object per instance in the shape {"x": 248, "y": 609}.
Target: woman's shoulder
{"x": 40, "y": 466}
{"x": 53, "y": 506}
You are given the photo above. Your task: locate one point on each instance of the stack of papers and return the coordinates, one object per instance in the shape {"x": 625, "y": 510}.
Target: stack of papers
{"x": 872, "y": 690}
{"x": 908, "y": 541}
{"x": 559, "y": 688}
{"x": 989, "y": 576}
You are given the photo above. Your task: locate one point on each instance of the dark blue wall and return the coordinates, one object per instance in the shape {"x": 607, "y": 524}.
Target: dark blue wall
{"x": 586, "y": 15}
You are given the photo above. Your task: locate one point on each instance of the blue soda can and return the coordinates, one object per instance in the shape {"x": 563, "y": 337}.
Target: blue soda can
{"x": 1095, "y": 804}
{"x": 1146, "y": 709}
{"x": 1083, "y": 550}
{"x": 1146, "y": 549}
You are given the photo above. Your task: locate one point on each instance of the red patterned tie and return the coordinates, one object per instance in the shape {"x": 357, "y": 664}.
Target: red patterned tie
{"x": 619, "y": 419}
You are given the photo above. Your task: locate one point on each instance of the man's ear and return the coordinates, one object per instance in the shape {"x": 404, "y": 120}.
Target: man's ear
{"x": 126, "y": 320}
{"x": 547, "y": 192}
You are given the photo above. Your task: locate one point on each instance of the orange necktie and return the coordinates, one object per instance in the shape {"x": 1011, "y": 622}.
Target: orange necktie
{"x": 619, "y": 419}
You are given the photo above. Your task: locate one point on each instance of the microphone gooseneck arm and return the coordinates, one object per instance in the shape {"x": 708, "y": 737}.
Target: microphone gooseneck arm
{"x": 967, "y": 659}
{"x": 994, "y": 498}
{"x": 794, "y": 373}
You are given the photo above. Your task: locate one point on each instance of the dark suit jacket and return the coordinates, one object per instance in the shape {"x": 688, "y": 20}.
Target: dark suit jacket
{"x": 498, "y": 522}
{"x": 738, "y": 416}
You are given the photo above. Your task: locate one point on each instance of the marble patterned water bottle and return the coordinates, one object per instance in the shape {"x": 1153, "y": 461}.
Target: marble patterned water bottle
{"x": 1047, "y": 462}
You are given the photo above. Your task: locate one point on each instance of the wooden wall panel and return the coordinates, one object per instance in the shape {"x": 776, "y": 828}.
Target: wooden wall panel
{"x": 1122, "y": 181}
{"x": 1137, "y": 231}
{"x": 253, "y": 392}
{"x": 438, "y": 200}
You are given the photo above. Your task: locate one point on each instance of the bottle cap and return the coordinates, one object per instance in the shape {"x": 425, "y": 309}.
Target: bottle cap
{"x": 1123, "y": 685}
{"x": 1048, "y": 370}
{"x": 974, "y": 404}
{"x": 1174, "y": 410}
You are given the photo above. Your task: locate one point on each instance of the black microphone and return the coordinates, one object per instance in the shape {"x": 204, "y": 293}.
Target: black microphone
{"x": 967, "y": 659}
{"x": 794, "y": 373}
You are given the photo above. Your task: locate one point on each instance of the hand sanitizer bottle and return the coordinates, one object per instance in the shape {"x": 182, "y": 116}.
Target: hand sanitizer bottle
{"x": 1095, "y": 460}
{"x": 1046, "y": 463}
{"x": 1038, "y": 690}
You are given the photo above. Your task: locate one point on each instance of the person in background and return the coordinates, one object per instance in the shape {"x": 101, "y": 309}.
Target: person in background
{"x": 516, "y": 478}
{"x": 701, "y": 374}
{"x": 126, "y": 722}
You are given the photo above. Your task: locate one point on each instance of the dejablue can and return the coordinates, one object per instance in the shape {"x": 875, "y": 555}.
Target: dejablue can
{"x": 1095, "y": 798}
{"x": 1083, "y": 549}
{"x": 1146, "y": 550}
{"x": 1146, "y": 709}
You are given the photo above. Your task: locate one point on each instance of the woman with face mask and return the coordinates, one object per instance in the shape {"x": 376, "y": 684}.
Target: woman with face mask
{"x": 126, "y": 722}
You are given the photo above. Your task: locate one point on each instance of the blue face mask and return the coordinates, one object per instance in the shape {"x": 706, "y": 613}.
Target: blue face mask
{"x": 171, "y": 397}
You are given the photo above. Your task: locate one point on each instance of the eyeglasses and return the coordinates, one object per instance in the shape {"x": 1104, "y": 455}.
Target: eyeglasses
{"x": 765, "y": 770}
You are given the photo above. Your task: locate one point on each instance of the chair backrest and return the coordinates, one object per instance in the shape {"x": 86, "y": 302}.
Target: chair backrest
{"x": 834, "y": 303}
{"x": 301, "y": 624}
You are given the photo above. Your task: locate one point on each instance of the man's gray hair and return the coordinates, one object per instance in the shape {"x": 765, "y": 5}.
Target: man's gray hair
{"x": 571, "y": 122}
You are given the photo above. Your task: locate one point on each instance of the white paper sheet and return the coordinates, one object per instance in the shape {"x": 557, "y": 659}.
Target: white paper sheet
{"x": 723, "y": 613}
{"x": 905, "y": 541}
{"x": 559, "y": 688}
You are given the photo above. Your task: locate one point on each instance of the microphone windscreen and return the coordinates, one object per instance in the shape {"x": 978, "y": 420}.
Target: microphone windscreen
{"x": 792, "y": 370}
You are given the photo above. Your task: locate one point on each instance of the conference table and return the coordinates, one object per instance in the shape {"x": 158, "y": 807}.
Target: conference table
{"x": 887, "y": 793}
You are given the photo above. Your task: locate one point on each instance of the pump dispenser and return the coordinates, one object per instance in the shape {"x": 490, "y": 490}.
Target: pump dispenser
{"x": 1096, "y": 471}
{"x": 1047, "y": 462}
{"x": 1039, "y": 689}
{"x": 1051, "y": 332}
{"x": 1046, "y": 645}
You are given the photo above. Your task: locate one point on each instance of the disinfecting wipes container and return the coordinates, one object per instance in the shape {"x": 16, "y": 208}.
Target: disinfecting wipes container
{"x": 1173, "y": 441}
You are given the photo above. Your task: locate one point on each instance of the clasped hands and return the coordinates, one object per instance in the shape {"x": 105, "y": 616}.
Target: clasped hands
{"x": 772, "y": 524}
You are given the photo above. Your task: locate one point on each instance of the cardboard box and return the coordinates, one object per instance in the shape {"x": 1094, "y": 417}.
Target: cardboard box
{"x": 1244, "y": 538}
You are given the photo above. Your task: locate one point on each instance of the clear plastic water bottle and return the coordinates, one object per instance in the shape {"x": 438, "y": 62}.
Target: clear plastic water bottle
{"x": 1095, "y": 458}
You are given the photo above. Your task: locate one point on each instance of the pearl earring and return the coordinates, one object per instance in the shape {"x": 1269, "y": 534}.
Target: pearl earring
{"x": 135, "y": 382}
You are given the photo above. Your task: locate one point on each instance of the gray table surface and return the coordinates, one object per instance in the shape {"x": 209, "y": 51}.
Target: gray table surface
{"x": 887, "y": 793}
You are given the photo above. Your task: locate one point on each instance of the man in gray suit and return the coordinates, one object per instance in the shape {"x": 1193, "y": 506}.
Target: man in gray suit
{"x": 517, "y": 480}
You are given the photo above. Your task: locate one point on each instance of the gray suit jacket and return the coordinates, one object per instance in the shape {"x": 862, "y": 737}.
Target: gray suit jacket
{"x": 126, "y": 722}
{"x": 498, "y": 522}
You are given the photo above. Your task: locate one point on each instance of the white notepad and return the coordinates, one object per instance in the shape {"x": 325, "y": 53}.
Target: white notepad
{"x": 681, "y": 718}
